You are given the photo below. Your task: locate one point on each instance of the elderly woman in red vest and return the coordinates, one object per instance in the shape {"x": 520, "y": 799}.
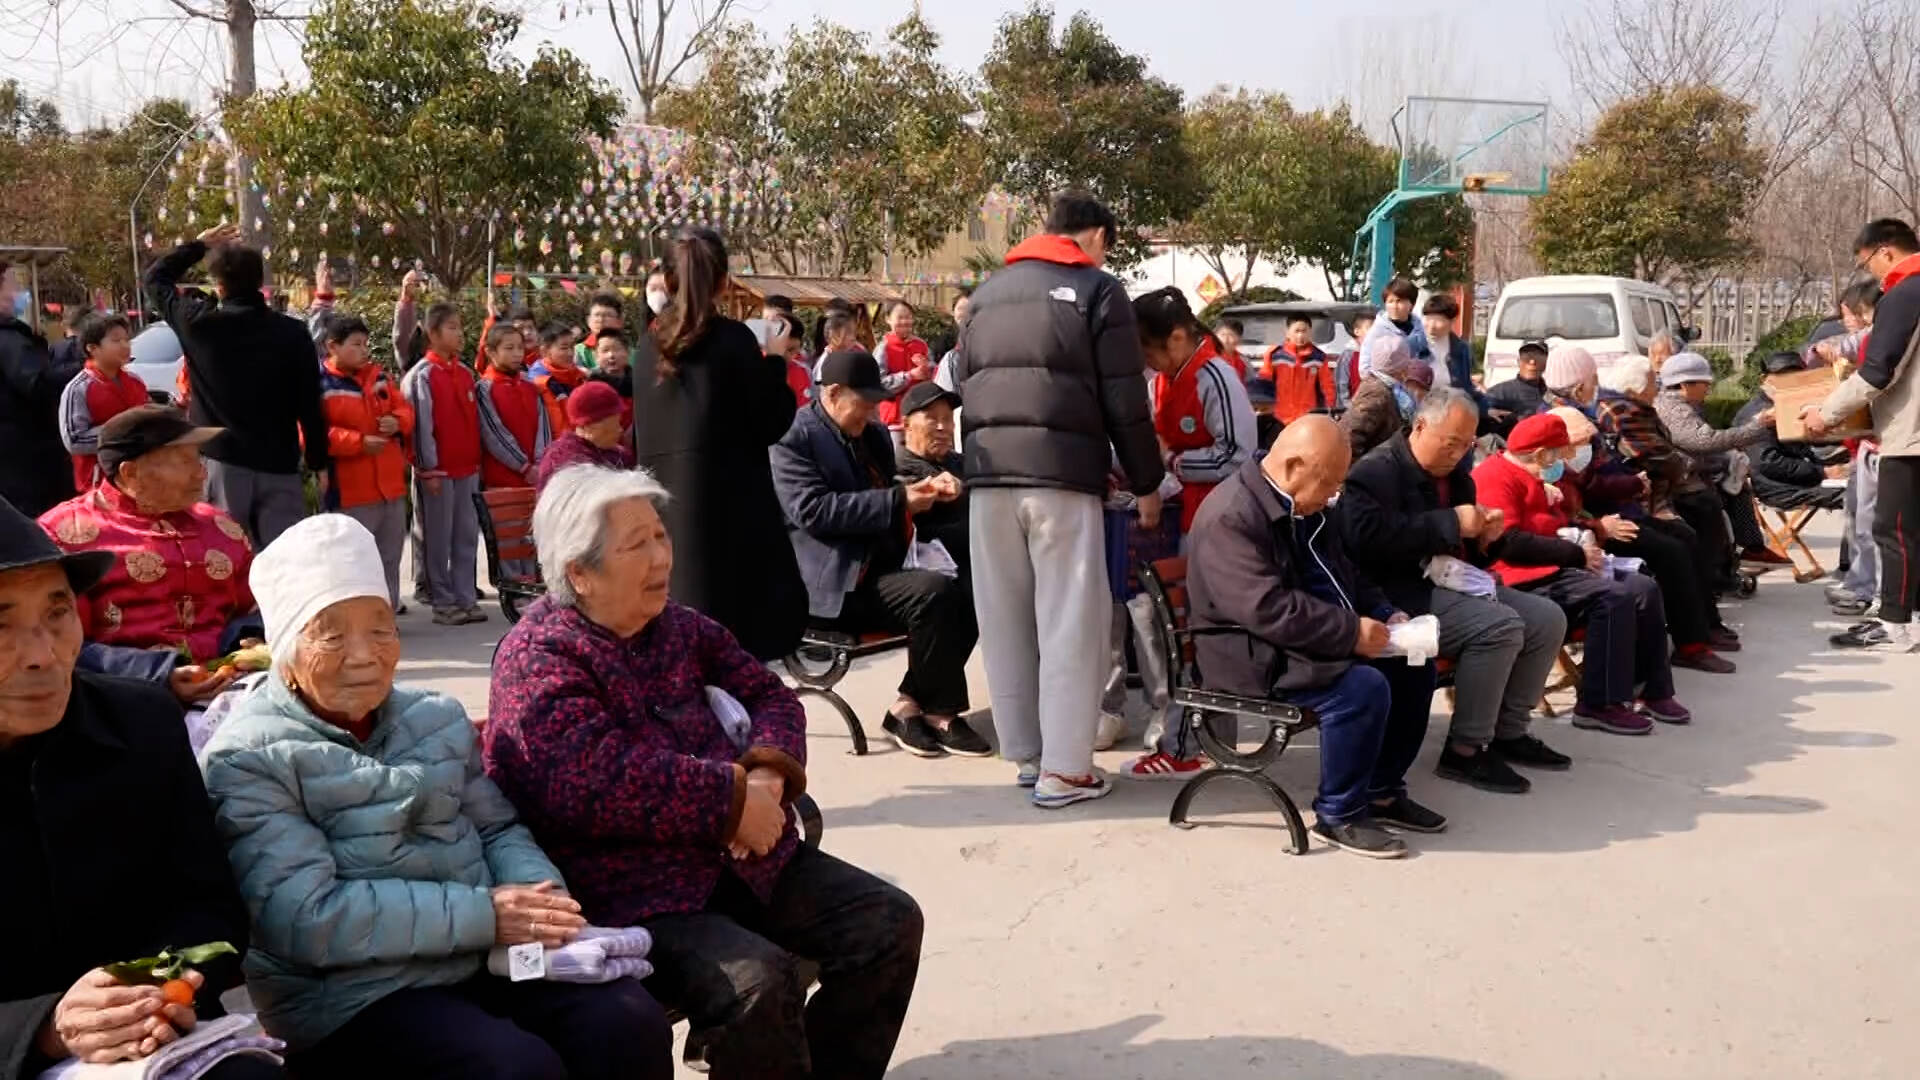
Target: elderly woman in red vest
{"x": 1622, "y": 613}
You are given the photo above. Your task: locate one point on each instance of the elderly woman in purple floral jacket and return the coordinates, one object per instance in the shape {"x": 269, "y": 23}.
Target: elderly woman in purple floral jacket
{"x": 654, "y": 760}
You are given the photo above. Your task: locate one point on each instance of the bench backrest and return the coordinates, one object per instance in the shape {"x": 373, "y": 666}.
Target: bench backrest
{"x": 506, "y": 523}
{"x": 1165, "y": 583}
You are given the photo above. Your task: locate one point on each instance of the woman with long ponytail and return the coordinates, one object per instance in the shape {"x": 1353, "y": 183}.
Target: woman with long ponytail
{"x": 704, "y": 413}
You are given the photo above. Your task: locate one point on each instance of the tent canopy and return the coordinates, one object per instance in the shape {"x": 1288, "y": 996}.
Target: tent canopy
{"x": 813, "y": 291}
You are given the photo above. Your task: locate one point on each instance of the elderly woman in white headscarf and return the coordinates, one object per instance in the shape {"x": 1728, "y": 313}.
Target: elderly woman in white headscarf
{"x": 1572, "y": 378}
{"x": 380, "y": 864}
{"x": 1384, "y": 403}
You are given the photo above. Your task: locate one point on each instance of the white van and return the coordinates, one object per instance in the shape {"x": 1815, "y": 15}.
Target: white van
{"x": 1608, "y": 316}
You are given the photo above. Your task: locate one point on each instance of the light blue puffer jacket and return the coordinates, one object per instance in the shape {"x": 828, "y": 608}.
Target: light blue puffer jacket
{"x": 366, "y": 868}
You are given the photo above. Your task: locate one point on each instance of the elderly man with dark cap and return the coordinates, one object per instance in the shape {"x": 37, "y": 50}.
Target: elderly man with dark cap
{"x": 1788, "y": 475}
{"x": 105, "y": 832}
{"x": 854, "y": 528}
{"x": 178, "y": 579}
{"x": 927, "y": 411}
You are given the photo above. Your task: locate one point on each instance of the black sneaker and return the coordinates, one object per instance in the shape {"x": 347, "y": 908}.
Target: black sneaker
{"x": 961, "y": 739}
{"x": 1529, "y": 751}
{"x": 914, "y": 735}
{"x": 1483, "y": 770}
{"x": 1362, "y": 837}
{"x": 1862, "y": 635}
{"x": 1404, "y": 813}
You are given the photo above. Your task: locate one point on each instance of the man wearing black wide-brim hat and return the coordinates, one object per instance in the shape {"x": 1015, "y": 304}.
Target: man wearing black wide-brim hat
{"x": 106, "y": 834}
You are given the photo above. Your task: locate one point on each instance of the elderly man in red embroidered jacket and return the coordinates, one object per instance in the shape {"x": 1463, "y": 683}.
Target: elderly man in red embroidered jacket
{"x": 179, "y": 576}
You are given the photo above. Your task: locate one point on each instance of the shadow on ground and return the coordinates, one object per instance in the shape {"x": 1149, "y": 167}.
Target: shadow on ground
{"x": 1112, "y": 1052}
{"x": 1620, "y": 789}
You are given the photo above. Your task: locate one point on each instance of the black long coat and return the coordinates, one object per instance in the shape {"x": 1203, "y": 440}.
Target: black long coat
{"x": 111, "y": 854}
{"x": 704, "y": 434}
{"x": 36, "y": 473}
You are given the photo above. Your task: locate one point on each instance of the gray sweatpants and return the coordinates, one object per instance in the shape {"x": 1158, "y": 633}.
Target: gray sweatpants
{"x": 265, "y": 504}
{"x": 453, "y": 542}
{"x": 1503, "y": 648}
{"x": 387, "y": 521}
{"x": 1040, "y": 592}
{"x": 1863, "y": 495}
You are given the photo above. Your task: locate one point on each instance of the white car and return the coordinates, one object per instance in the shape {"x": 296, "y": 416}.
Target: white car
{"x": 1608, "y": 316}
{"x": 156, "y": 360}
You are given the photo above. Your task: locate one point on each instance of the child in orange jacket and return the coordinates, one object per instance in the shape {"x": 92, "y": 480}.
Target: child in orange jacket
{"x": 369, "y": 426}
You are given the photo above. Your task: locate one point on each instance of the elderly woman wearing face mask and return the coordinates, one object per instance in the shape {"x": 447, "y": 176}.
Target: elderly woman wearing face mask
{"x": 1624, "y": 619}
{"x": 1384, "y": 403}
{"x": 1605, "y": 496}
{"x": 380, "y": 864}
{"x": 658, "y": 761}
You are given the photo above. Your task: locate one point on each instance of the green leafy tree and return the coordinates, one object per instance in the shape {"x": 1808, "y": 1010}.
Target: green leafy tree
{"x": 1661, "y": 189}
{"x": 1074, "y": 110}
{"x": 418, "y": 114}
{"x": 1345, "y": 175}
{"x": 1245, "y": 147}
{"x": 872, "y": 144}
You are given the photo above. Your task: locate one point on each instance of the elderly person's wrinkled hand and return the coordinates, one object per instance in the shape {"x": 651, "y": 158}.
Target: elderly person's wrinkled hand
{"x": 1618, "y": 528}
{"x": 193, "y": 684}
{"x": 528, "y": 913}
{"x": 947, "y": 486}
{"x": 1816, "y": 424}
{"x": 1372, "y": 638}
{"x": 922, "y": 494}
{"x": 1765, "y": 418}
{"x": 1493, "y": 525}
{"x": 1596, "y": 558}
{"x": 762, "y": 821}
{"x": 1471, "y": 519}
{"x": 1148, "y": 506}
{"x": 99, "y": 1020}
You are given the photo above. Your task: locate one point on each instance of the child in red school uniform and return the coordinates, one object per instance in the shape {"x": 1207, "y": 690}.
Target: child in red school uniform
{"x": 103, "y": 390}
{"x": 514, "y": 429}
{"x": 447, "y": 455}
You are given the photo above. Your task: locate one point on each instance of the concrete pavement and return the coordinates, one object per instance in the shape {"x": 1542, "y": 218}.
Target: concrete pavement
{"x": 1728, "y": 899}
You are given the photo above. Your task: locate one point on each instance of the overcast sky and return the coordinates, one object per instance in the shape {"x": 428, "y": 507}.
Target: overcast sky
{"x": 98, "y": 62}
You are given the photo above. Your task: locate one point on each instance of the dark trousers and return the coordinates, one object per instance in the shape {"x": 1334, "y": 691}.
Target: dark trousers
{"x": 1706, "y": 516}
{"x": 1896, "y": 533}
{"x": 936, "y": 613}
{"x": 1744, "y": 520}
{"x": 490, "y": 1029}
{"x": 1626, "y": 634}
{"x": 735, "y": 970}
{"x": 1687, "y": 595}
{"x": 1707, "y": 560}
{"x": 1372, "y": 722}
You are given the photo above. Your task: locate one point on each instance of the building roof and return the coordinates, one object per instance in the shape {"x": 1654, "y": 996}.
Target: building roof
{"x": 814, "y": 291}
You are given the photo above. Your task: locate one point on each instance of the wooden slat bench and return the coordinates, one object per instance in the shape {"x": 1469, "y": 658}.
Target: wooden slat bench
{"x": 506, "y": 527}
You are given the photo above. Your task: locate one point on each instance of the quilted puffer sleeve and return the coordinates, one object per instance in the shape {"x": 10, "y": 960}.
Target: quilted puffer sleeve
{"x": 303, "y": 911}
{"x": 513, "y": 858}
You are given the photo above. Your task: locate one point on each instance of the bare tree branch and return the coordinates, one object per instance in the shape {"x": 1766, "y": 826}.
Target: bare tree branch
{"x": 192, "y": 12}
{"x": 643, "y": 30}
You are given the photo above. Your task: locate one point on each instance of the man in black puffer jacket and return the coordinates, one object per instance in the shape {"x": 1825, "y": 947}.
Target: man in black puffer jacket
{"x": 37, "y": 474}
{"x": 1050, "y": 372}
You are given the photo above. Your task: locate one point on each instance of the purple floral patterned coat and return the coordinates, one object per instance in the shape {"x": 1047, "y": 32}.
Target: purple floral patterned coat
{"x": 617, "y": 763}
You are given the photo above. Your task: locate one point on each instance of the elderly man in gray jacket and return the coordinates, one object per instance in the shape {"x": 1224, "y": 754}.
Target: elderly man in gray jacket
{"x": 1685, "y": 382}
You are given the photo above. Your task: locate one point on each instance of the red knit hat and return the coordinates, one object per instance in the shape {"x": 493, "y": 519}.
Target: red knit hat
{"x": 595, "y": 401}
{"x": 1543, "y": 432}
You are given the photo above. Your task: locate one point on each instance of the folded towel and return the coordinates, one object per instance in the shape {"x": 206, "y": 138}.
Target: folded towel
{"x": 597, "y": 955}
{"x": 188, "y": 1058}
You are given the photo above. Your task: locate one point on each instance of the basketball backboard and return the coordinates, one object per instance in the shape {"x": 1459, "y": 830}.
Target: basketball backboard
{"x": 1473, "y": 145}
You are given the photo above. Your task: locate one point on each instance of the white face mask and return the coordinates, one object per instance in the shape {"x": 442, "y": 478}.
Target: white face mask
{"x": 1582, "y": 458}
{"x": 657, "y": 300}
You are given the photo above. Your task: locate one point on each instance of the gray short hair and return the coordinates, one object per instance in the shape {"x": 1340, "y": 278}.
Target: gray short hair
{"x": 1439, "y": 403}
{"x": 570, "y": 520}
{"x": 1628, "y": 375}
{"x": 1663, "y": 336}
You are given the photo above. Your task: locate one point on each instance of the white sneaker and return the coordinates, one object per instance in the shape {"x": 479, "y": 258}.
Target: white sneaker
{"x": 1055, "y": 791}
{"x": 1029, "y": 774}
{"x": 1111, "y": 727}
{"x": 1894, "y": 638}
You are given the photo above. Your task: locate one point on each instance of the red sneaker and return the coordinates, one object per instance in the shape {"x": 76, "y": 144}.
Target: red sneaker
{"x": 1667, "y": 711}
{"x": 1162, "y": 766}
